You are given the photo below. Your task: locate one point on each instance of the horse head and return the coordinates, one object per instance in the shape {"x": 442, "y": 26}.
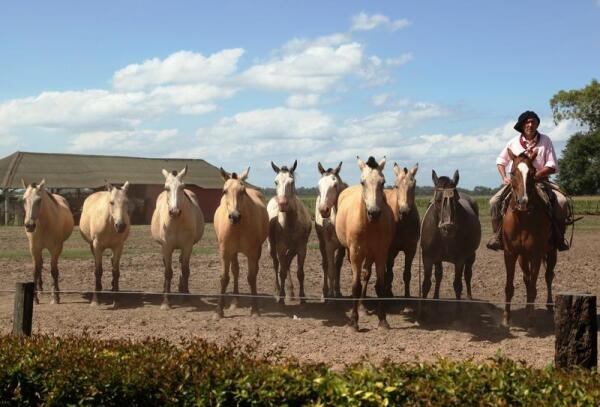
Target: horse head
{"x": 405, "y": 184}
{"x": 372, "y": 181}
{"x": 285, "y": 185}
{"x": 32, "y": 201}
{"x": 174, "y": 187}
{"x": 118, "y": 206}
{"x": 445, "y": 202}
{"x": 330, "y": 187}
{"x": 522, "y": 179}
{"x": 234, "y": 191}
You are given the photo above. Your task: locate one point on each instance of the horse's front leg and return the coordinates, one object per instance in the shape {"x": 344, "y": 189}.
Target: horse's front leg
{"x": 366, "y": 276}
{"x": 300, "y": 260}
{"x": 38, "y": 264}
{"x": 439, "y": 274}
{"x": 54, "y": 271}
{"x": 235, "y": 270}
{"x": 532, "y": 289}
{"x": 275, "y": 258}
{"x": 409, "y": 255}
{"x": 469, "y": 274}
{"x": 97, "y": 252}
{"x": 167, "y": 261}
{"x": 356, "y": 261}
{"x": 184, "y": 280}
{"x": 252, "y": 275}
{"x": 225, "y": 265}
{"x": 510, "y": 261}
{"x": 380, "y": 289}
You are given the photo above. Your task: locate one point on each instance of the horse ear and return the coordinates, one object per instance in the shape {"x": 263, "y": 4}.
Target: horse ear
{"x": 396, "y": 170}
{"x": 320, "y": 168}
{"x": 434, "y": 177}
{"x": 294, "y": 166}
{"x": 182, "y": 172}
{"x": 533, "y": 154}
{"x": 382, "y": 163}
{"x": 224, "y": 174}
{"x": 275, "y": 168}
{"x": 165, "y": 173}
{"x": 455, "y": 178}
{"x": 414, "y": 170}
{"x": 338, "y": 168}
{"x": 109, "y": 187}
{"x": 361, "y": 163}
{"x": 244, "y": 174}
{"x": 125, "y": 186}
{"x": 24, "y": 183}
{"x": 511, "y": 154}
{"x": 42, "y": 184}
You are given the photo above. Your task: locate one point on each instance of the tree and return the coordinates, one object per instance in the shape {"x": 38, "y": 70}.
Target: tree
{"x": 580, "y": 162}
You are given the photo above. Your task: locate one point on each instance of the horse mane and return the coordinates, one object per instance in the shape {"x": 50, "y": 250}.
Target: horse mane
{"x": 52, "y": 198}
{"x": 444, "y": 182}
{"x": 234, "y": 175}
{"x": 174, "y": 173}
{"x": 371, "y": 163}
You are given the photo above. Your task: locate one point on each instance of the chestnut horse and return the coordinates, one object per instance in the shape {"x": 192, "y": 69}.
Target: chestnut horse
{"x": 48, "y": 223}
{"x": 326, "y": 208}
{"x": 365, "y": 226}
{"x": 241, "y": 224}
{"x": 289, "y": 228}
{"x": 526, "y": 232}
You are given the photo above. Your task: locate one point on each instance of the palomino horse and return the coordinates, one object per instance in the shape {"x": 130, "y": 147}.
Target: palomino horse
{"x": 289, "y": 228}
{"x": 526, "y": 229}
{"x": 48, "y": 223}
{"x": 104, "y": 224}
{"x": 241, "y": 225}
{"x": 326, "y": 208}
{"x": 177, "y": 223}
{"x": 406, "y": 237}
{"x": 450, "y": 232}
{"x": 365, "y": 226}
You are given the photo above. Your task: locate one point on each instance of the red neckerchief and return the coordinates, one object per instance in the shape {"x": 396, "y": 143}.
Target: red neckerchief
{"x": 523, "y": 141}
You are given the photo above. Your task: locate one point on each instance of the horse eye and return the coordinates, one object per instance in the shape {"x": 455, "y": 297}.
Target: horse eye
{"x": 112, "y": 202}
{"x": 362, "y": 183}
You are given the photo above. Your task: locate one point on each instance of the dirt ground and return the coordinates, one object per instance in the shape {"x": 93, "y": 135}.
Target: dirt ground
{"x": 313, "y": 332}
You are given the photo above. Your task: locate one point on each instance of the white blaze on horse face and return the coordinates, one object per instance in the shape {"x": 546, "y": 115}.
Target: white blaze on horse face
{"x": 524, "y": 171}
{"x": 372, "y": 181}
{"x": 32, "y": 199}
{"x": 285, "y": 188}
{"x": 174, "y": 187}
{"x": 328, "y": 191}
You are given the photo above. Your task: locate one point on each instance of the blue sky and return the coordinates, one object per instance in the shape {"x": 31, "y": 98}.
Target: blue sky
{"x": 243, "y": 83}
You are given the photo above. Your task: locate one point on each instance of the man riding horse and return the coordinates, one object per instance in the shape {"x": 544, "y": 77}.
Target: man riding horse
{"x": 546, "y": 164}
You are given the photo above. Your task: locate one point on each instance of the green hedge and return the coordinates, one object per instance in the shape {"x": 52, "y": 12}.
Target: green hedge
{"x": 80, "y": 370}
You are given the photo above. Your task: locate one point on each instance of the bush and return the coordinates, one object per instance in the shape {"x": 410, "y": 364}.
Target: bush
{"x": 74, "y": 370}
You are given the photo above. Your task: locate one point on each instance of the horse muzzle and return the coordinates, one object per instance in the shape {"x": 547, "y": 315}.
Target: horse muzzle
{"x": 173, "y": 213}
{"x": 235, "y": 218}
{"x": 447, "y": 229}
{"x": 120, "y": 227}
{"x": 373, "y": 214}
{"x": 325, "y": 212}
{"x": 30, "y": 226}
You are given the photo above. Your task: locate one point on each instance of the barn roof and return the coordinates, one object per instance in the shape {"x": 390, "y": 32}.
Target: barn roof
{"x": 91, "y": 171}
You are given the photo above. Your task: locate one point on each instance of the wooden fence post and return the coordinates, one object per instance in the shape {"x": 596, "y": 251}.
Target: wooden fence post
{"x": 575, "y": 327}
{"x": 23, "y": 312}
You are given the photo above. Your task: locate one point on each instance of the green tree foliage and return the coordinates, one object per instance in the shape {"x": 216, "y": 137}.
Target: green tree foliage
{"x": 580, "y": 162}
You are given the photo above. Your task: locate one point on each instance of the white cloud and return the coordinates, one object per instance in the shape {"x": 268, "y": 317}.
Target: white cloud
{"x": 399, "y": 61}
{"x": 365, "y": 22}
{"x": 381, "y": 99}
{"x": 179, "y": 67}
{"x": 136, "y": 141}
{"x": 560, "y": 132}
{"x": 298, "y": 101}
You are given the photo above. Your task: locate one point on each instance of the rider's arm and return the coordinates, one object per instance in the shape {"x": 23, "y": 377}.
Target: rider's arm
{"x": 544, "y": 173}
{"x": 502, "y": 172}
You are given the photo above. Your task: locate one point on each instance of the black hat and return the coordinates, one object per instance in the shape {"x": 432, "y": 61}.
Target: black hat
{"x": 523, "y": 117}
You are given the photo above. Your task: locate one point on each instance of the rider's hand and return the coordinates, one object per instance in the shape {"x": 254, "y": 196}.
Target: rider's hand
{"x": 506, "y": 180}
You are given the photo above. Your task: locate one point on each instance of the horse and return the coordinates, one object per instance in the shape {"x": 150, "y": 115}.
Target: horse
{"x": 105, "y": 224}
{"x": 241, "y": 224}
{"x": 450, "y": 232}
{"x": 48, "y": 224}
{"x": 177, "y": 223}
{"x": 365, "y": 227}
{"x": 289, "y": 229}
{"x": 526, "y": 229}
{"x": 407, "y": 228}
{"x": 326, "y": 208}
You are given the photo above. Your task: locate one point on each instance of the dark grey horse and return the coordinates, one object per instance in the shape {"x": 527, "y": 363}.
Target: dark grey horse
{"x": 450, "y": 232}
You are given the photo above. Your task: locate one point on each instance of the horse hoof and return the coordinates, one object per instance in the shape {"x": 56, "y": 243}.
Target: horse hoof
{"x": 54, "y": 301}
{"x": 217, "y": 316}
{"x": 383, "y": 324}
{"x": 115, "y": 305}
{"x": 352, "y": 327}
{"x": 254, "y": 314}
{"x": 165, "y": 306}
{"x": 94, "y": 304}
{"x": 233, "y": 306}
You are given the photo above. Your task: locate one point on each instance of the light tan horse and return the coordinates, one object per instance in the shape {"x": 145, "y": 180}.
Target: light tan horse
{"x": 289, "y": 229}
{"x": 401, "y": 200}
{"x": 177, "y": 224}
{"x": 241, "y": 224}
{"x": 104, "y": 224}
{"x": 326, "y": 208}
{"x": 365, "y": 226}
{"x": 48, "y": 223}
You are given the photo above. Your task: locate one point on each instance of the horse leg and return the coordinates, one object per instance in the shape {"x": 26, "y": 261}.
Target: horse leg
{"x": 339, "y": 261}
{"x": 284, "y": 267}
{"x": 167, "y": 260}
{"x": 38, "y": 264}
{"x": 324, "y": 265}
{"x": 252, "y": 274}
{"x": 550, "y": 264}
{"x": 409, "y": 255}
{"x": 469, "y": 274}
{"x": 532, "y": 291}
{"x": 225, "y": 265}
{"x": 439, "y": 272}
{"x": 235, "y": 270}
{"x": 510, "y": 262}
{"x": 301, "y": 258}
{"x": 356, "y": 261}
{"x": 116, "y": 273}
{"x": 458, "y": 277}
{"x": 97, "y": 252}
{"x": 184, "y": 259}
{"x": 366, "y": 276}
{"x": 526, "y": 266}
{"x": 427, "y": 270}
{"x": 380, "y": 289}
{"x": 275, "y": 258}
{"x": 54, "y": 273}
